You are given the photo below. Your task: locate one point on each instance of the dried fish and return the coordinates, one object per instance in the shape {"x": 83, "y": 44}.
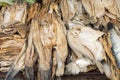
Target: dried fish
{"x": 18, "y": 65}
{"x": 84, "y": 37}
{"x": 30, "y": 58}
{"x": 61, "y": 49}
{"x": 79, "y": 64}
{"x": 115, "y": 44}
{"x": 12, "y": 16}
{"x": 94, "y": 8}
{"x": 35, "y": 38}
{"x": 43, "y": 66}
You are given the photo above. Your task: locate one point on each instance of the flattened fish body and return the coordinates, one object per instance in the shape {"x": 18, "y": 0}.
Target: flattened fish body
{"x": 115, "y": 45}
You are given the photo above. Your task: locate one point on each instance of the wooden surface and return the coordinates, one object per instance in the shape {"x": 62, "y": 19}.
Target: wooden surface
{"x": 93, "y": 75}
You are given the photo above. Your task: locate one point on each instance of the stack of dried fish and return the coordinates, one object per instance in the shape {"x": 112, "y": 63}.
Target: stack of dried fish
{"x": 46, "y": 44}
{"x": 90, "y": 35}
{"x": 12, "y": 34}
{"x": 36, "y": 38}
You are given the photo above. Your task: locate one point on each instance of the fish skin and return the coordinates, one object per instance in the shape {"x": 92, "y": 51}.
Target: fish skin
{"x": 79, "y": 64}
{"x": 107, "y": 46}
{"x": 82, "y": 35}
{"x": 11, "y": 17}
{"x": 44, "y": 53}
{"x": 94, "y": 8}
{"x": 76, "y": 45}
{"x": 17, "y": 65}
{"x": 38, "y": 45}
{"x": 115, "y": 45}
{"x": 64, "y": 8}
{"x": 30, "y": 57}
{"x": 61, "y": 49}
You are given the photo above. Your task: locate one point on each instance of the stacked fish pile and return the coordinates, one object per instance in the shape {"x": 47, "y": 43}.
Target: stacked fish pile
{"x": 12, "y": 34}
{"x": 55, "y": 37}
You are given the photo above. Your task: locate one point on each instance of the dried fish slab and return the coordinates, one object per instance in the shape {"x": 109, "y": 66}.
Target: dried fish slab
{"x": 115, "y": 45}
{"x": 94, "y": 8}
{"x": 30, "y": 58}
{"x": 11, "y": 16}
{"x": 17, "y": 65}
{"x": 10, "y": 46}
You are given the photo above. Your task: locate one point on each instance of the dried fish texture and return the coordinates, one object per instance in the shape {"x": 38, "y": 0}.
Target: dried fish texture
{"x": 94, "y": 8}
{"x": 107, "y": 47}
{"x": 43, "y": 66}
{"x": 33, "y": 11}
{"x": 11, "y": 16}
{"x": 70, "y": 9}
{"x": 115, "y": 44}
{"x": 79, "y": 64}
{"x": 112, "y": 7}
{"x": 38, "y": 44}
{"x": 53, "y": 36}
{"x": 64, "y": 9}
{"x": 82, "y": 41}
{"x": 14, "y": 14}
{"x": 91, "y": 42}
{"x": 61, "y": 49}
{"x": 30, "y": 57}
{"x": 10, "y": 46}
{"x": 17, "y": 65}
{"x": 111, "y": 71}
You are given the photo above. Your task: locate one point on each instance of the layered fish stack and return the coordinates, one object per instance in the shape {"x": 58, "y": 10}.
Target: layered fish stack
{"x": 91, "y": 35}
{"x": 12, "y": 34}
{"x": 57, "y": 37}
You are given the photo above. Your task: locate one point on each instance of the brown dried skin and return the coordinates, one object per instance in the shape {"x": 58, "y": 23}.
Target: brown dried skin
{"x": 16, "y": 14}
{"x": 22, "y": 29}
{"x": 43, "y": 66}
{"x": 6, "y": 57}
{"x": 94, "y": 8}
{"x": 50, "y": 29}
{"x": 18, "y": 65}
{"x": 64, "y": 8}
{"x": 60, "y": 44}
{"x": 38, "y": 44}
{"x": 10, "y": 47}
{"x": 61, "y": 48}
{"x": 117, "y": 24}
{"x": 29, "y": 54}
{"x": 54, "y": 65}
{"x": 53, "y": 7}
{"x": 99, "y": 9}
{"x": 9, "y": 37}
{"x": 12, "y": 44}
{"x": 70, "y": 9}
{"x": 112, "y": 7}
{"x": 33, "y": 11}
{"x": 48, "y": 39}
{"x": 107, "y": 46}
{"x": 43, "y": 53}
{"x": 48, "y": 34}
{"x": 30, "y": 58}
{"x": 46, "y": 2}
